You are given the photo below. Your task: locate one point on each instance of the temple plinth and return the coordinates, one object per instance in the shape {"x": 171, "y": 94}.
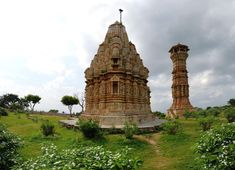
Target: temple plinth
{"x": 116, "y": 82}
{"x": 180, "y": 86}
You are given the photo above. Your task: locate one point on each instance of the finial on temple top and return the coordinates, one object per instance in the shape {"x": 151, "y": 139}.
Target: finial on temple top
{"x": 120, "y": 10}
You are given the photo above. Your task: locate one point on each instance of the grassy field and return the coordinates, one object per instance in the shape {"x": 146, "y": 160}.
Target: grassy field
{"x": 157, "y": 150}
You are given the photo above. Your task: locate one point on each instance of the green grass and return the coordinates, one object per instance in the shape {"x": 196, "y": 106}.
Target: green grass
{"x": 166, "y": 152}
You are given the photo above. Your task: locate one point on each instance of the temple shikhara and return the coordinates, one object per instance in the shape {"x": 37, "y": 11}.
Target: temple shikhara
{"x": 180, "y": 86}
{"x": 116, "y": 82}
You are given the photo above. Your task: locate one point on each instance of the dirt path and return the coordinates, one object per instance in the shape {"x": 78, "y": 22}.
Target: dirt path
{"x": 147, "y": 138}
{"x": 158, "y": 159}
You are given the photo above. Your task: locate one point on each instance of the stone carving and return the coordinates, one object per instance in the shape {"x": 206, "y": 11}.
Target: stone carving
{"x": 180, "y": 87}
{"x": 116, "y": 81}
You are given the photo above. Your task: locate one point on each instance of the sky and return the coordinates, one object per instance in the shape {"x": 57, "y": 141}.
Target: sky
{"x": 45, "y": 46}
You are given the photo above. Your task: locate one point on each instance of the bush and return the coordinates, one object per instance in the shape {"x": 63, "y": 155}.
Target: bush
{"x": 130, "y": 130}
{"x": 9, "y": 144}
{"x": 187, "y": 114}
{"x": 96, "y": 158}
{"x": 160, "y": 114}
{"x": 172, "y": 127}
{"x": 54, "y": 111}
{"x": 216, "y": 148}
{"x": 213, "y": 112}
{"x": 206, "y": 122}
{"x": 202, "y": 113}
{"x": 230, "y": 114}
{"x": 47, "y": 128}
{"x": 90, "y": 129}
{"x": 3, "y": 112}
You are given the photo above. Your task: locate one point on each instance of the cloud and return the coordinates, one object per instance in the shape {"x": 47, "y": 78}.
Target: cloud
{"x": 45, "y": 46}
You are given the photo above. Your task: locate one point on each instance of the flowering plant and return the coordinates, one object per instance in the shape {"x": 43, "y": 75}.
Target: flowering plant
{"x": 9, "y": 143}
{"x": 216, "y": 148}
{"x": 81, "y": 158}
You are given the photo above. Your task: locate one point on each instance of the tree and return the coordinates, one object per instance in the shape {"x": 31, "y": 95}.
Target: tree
{"x": 229, "y": 114}
{"x": 32, "y": 100}
{"x": 81, "y": 100}
{"x": 69, "y": 101}
{"x": 231, "y": 102}
{"x": 8, "y": 100}
{"x": 24, "y": 103}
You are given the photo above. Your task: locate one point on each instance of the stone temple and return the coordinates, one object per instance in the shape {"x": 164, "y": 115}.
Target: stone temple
{"x": 180, "y": 86}
{"x": 116, "y": 82}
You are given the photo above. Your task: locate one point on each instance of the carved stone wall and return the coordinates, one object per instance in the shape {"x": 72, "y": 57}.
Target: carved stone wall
{"x": 116, "y": 81}
{"x": 180, "y": 86}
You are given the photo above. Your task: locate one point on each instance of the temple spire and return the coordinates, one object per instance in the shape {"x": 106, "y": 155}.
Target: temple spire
{"x": 120, "y": 10}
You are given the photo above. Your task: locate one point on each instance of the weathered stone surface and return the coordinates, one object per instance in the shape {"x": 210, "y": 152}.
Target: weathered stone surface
{"x": 116, "y": 82}
{"x": 180, "y": 86}
{"x": 72, "y": 123}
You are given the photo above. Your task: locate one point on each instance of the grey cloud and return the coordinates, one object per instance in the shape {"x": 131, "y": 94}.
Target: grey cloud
{"x": 208, "y": 29}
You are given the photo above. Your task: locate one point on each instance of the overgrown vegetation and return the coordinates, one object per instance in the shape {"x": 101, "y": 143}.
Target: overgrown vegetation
{"x": 53, "y": 110}
{"x": 157, "y": 150}
{"x": 3, "y": 112}
{"x": 9, "y": 145}
{"x": 130, "y": 130}
{"x": 172, "y": 127}
{"x": 189, "y": 114}
{"x": 90, "y": 129}
{"x": 213, "y": 112}
{"x": 206, "y": 122}
{"x": 47, "y": 128}
{"x": 82, "y": 158}
{"x": 159, "y": 114}
{"x": 229, "y": 114}
{"x": 216, "y": 148}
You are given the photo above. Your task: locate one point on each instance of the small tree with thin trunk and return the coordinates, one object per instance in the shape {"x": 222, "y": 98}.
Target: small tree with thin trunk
{"x": 69, "y": 101}
{"x": 32, "y": 100}
{"x": 81, "y": 100}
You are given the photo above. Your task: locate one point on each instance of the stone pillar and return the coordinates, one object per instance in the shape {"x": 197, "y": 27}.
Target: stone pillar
{"x": 180, "y": 86}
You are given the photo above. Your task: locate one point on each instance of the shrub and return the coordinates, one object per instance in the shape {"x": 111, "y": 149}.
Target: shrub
{"x": 160, "y": 114}
{"x": 90, "y": 129}
{"x": 97, "y": 158}
{"x": 9, "y": 144}
{"x": 194, "y": 114}
{"x": 206, "y": 122}
{"x": 213, "y": 112}
{"x": 216, "y": 148}
{"x": 54, "y": 111}
{"x": 202, "y": 113}
{"x": 230, "y": 114}
{"x": 3, "y": 112}
{"x": 130, "y": 130}
{"x": 114, "y": 130}
{"x": 187, "y": 114}
{"x": 172, "y": 127}
{"x": 47, "y": 128}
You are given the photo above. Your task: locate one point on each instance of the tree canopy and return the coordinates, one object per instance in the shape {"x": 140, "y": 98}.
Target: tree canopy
{"x": 231, "y": 102}
{"x": 32, "y": 100}
{"x": 9, "y": 100}
{"x": 69, "y": 101}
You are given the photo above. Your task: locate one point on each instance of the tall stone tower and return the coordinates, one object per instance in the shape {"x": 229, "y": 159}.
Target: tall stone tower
{"x": 116, "y": 82}
{"x": 180, "y": 86}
